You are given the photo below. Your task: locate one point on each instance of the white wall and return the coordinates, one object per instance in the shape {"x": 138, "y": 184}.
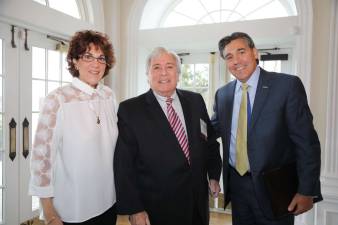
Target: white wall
{"x": 112, "y": 18}
{"x": 325, "y": 104}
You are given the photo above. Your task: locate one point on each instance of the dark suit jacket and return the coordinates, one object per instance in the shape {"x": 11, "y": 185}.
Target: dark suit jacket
{"x": 151, "y": 171}
{"x": 281, "y": 132}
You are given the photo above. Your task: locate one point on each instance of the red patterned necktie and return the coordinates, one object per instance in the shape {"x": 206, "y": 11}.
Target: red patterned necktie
{"x": 177, "y": 126}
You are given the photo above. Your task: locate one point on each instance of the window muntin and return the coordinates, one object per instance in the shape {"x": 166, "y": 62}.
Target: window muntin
{"x": 217, "y": 11}
{"x": 68, "y": 7}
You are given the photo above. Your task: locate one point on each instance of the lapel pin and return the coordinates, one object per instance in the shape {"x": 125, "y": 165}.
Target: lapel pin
{"x": 265, "y": 87}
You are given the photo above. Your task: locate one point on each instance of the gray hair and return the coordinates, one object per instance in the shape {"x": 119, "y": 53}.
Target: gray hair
{"x": 159, "y": 51}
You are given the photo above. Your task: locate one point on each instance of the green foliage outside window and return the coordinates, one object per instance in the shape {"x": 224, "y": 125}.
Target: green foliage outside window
{"x": 195, "y": 77}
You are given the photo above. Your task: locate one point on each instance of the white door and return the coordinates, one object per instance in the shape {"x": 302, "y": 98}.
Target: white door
{"x": 27, "y": 74}
{"x": 11, "y": 156}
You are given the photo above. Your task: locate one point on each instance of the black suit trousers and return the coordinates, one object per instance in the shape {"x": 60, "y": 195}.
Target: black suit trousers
{"x": 244, "y": 203}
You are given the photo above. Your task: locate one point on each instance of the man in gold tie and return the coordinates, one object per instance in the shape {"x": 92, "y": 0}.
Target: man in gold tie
{"x": 265, "y": 124}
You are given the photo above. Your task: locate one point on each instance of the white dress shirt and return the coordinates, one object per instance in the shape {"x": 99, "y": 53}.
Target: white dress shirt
{"x": 252, "y": 87}
{"x": 176, "y": 105}
{"x": 72, "y": 156}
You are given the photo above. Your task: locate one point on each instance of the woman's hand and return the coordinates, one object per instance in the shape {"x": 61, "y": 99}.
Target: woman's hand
{"x": 49, "y": 212}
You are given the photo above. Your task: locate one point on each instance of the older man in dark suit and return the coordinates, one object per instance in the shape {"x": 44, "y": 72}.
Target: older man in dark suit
{"x": 265, "y": 123}
{"x": 166, "y": 152}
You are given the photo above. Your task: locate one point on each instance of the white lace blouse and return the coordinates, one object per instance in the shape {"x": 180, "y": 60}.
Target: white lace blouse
{"x": 72, "y": 156}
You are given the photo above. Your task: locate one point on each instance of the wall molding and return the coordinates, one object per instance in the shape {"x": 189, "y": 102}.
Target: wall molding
{"x": 331, "y": 144}
{"x": 327, "y": 210}
{"x": 304, "y": 43}
{"x": 132, "y": 48}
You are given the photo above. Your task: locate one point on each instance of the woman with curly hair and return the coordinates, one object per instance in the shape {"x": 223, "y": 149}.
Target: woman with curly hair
{"x": 72, "y": 156}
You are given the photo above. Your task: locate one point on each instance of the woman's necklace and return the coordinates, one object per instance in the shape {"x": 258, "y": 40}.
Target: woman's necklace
{"x": 93, "y": 109}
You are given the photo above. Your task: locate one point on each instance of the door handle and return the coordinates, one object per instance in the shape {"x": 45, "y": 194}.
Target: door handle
{"x": 12, "y": 139}
{"x": 25, "y": 138}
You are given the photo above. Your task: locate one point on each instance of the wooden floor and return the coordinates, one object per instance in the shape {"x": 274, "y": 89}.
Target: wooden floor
{"x": 215, "y": 219}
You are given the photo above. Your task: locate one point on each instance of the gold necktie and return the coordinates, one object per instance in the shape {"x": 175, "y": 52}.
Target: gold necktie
{"x": 242, "y": 162}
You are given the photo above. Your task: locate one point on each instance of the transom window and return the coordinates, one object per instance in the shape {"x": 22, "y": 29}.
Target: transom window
{"x": 68, "y": 7}
{"x": 193, "y": 12}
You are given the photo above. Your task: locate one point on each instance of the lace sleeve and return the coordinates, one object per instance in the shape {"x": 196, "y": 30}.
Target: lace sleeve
{"x": 43, "y": 149}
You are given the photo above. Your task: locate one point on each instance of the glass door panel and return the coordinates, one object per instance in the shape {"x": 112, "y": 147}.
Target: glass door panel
{"x": 49, "y": 71}
{"x": 9, "y": 110}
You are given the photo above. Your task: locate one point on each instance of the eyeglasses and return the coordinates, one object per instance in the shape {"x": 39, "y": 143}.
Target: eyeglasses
{"x": 90, "y": 58}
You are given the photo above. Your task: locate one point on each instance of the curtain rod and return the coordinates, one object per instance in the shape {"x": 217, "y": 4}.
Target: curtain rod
{"x": 29, "y": 27}
{"x": 269, "y": 49}
{"x": 59, "y": 39}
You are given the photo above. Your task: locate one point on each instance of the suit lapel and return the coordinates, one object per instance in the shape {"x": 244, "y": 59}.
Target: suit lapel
{"x": 158, "y": 115}
{"x": 262, "y": 92}
{"x": 228, "y": 107}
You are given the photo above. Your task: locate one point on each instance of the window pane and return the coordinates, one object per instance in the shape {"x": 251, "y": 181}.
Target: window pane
{"x": 216, "y": 11}
{"x": 1, "y": 164}
{"x": 38, "y": 63}
{"x": 185, "y": 8}
{"x": 1, "y": 137}
{"x": 275, "y": 65}
{"x": 1, "y": 89}
{"x": 68, "y": 7}
{"x": 207, "y": 19}
{"x": 246, "y": 6}
{"x": 38, "y": 93}
{"x": 51, "y": 86}
{"x": 35, "y": 118}
{"x": 187, "y": 76}
{"x": 229, "y": 4}
{"x": 1, "y": 124}
{"x": 53, "y": 65}
{"x": 35, "y": 203}
{"x": 195, "y": 77}
{"x": 272, "y": 10}
{"x": 202, "y": 75}
{"x": 175, "y": 19}
{"x": 1, "y": 208}
{"x": 66, "y": 76}
{"x": 228, "y": 16}
{"x": 0, "y": 56}
{"x": 210, "y": 5}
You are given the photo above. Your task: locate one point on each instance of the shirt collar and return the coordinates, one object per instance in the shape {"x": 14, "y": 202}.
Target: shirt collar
{"x": 253, "y": 80}
{"x": 162, "y": 98}
{"x": 79, "y": 84}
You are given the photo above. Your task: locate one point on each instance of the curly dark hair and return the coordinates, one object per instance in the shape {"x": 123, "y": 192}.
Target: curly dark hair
{"x": 236, "y": 35}
{"x": 79, "y": 44}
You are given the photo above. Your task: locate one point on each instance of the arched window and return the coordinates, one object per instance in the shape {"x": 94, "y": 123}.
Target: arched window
{"x": 193, "y": 12}
{"x": 217, "y": 11}
{"x": 68, "y": 7}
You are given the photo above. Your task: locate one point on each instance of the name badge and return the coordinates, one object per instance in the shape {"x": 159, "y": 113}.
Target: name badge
{"x": 204, "y": 129}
